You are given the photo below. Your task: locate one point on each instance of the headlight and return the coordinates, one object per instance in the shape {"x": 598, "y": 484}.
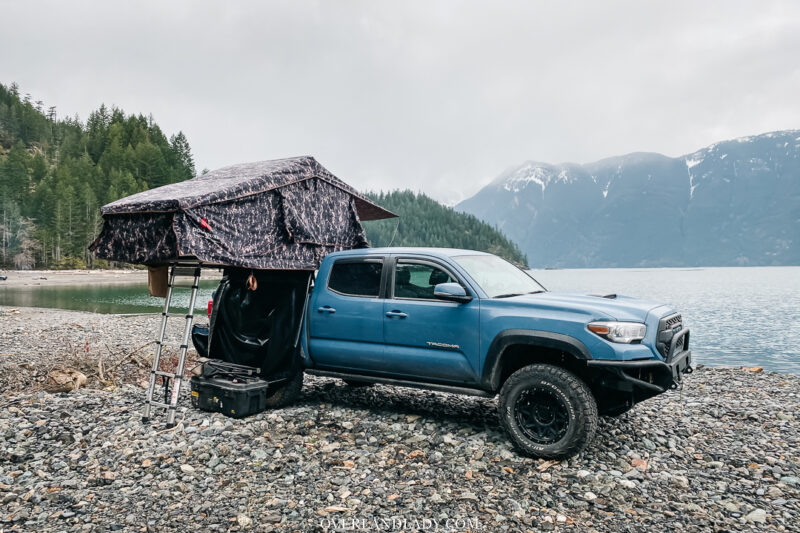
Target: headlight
{"x": 624, "y": 332}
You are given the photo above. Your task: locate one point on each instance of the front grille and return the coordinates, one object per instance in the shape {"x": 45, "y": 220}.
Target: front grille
{"x": 667, "y": 328}
{"x": 672, "y": 321}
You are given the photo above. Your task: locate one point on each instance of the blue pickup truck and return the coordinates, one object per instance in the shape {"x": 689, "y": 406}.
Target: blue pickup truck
{"x": 469, "y": 322}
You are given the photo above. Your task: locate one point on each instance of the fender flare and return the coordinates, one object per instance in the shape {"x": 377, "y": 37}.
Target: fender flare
{"x": 492, "y": 368}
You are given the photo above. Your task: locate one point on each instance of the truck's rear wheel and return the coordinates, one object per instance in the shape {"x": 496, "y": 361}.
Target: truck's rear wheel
{"x": 548, "y": 411}
{"x": 286, "y": 393}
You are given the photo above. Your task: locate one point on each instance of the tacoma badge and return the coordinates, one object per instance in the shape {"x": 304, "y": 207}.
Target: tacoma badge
{"x": 443, "y": 345}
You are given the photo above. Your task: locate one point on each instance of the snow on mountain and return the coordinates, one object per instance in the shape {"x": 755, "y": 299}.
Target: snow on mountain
{"x": 533, "y": 173}
{"x": 735, "y": 202}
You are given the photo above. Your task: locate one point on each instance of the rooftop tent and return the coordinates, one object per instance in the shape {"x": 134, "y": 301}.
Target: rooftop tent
{"x": 269, "y": 224}
{"x": 284, "y": 214}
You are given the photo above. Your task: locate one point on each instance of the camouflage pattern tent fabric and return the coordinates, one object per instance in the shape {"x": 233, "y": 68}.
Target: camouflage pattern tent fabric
{"x": 281, "y": 214}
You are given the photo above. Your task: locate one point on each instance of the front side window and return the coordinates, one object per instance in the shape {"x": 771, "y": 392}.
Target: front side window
{"x": 417, "y": 280}
{"x": 356, "y": 278}
{"x": 498, "y": 278}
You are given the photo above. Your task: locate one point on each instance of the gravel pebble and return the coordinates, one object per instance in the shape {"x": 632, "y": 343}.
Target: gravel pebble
{"x": 720, "y": 456}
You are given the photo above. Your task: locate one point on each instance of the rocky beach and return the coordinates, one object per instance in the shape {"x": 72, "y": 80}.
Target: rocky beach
{"x": 720, "y": 455}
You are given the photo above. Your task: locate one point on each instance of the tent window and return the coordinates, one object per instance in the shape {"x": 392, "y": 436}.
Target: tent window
{"x": 356, "y": 278}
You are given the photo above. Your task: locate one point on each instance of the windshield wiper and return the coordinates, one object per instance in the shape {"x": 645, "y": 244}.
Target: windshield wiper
{"x": 509, "y": 295}
{"x": 535, "y": 292}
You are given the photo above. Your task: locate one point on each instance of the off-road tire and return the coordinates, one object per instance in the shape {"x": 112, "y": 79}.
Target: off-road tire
{"x": 286, "y": 393}
{"x": 357, "y": 383}
{"x": 571, "y": 399}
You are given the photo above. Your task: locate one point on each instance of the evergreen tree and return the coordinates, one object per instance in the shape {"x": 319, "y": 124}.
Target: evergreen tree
{"x": 14, "y": 175}
{"x": 425, "y": 222}
{"x": 182, "y": 154}
{"x": 55, "y": 175}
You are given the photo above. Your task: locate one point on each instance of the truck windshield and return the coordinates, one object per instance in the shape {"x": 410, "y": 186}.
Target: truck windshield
{"x": 498, "y": 278}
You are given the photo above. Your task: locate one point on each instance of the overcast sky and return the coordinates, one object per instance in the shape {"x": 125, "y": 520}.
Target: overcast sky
{"x": 434, "y": 96}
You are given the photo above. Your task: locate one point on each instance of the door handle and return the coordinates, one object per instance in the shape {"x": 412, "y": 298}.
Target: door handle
{"x": 398, "y": 314}
{"x": 326, "y": 309}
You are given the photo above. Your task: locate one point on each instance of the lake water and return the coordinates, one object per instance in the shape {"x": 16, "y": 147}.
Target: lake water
{"x": 738, "y": 316}
{"x": 103, "y": 298}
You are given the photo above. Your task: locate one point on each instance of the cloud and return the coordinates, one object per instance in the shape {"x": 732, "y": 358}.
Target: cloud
{"x": 434, "y": 96}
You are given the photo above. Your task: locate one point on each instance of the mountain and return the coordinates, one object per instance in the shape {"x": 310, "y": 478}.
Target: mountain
{"x": 425, "y": 222}
{"x": 735, "y": 202}
{"x": 55, "y": 174}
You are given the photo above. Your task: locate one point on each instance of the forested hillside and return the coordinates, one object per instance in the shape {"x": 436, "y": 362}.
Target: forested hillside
{"x": 425, "y": 222}
{"x": 56, "y": 173}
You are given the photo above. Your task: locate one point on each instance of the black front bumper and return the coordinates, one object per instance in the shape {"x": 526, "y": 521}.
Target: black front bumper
{"x": 681, "y": 364}
{"x": 651, "y": 374}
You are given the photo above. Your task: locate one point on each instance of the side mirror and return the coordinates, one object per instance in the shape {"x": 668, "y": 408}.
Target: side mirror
{"x": 451, "y": 292}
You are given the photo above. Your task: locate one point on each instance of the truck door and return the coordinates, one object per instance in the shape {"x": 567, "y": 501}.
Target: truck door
{"x": 346, "y": 315}
{"x": 426, "y": 337}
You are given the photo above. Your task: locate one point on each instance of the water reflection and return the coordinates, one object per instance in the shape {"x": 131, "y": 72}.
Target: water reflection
{"x": 110, "y": 298}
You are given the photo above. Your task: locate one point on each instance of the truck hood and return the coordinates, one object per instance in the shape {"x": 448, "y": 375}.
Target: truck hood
{"x": 618, "y": 308}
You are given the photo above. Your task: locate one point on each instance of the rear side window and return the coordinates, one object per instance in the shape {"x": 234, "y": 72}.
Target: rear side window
{"x": 356, "y": 278}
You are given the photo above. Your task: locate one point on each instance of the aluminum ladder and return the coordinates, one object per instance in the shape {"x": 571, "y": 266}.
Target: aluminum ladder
{"x": 171, "y": 395}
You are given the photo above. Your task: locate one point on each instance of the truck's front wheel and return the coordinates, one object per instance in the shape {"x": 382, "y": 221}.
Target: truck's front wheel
{"x": 548, "y": 411}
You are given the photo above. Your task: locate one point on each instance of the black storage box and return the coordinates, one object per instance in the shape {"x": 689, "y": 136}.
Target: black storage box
{"x": 235, "y": 398}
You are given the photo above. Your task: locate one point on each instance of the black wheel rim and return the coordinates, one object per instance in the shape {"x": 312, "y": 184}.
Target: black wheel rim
{"x": 541, "y": 415}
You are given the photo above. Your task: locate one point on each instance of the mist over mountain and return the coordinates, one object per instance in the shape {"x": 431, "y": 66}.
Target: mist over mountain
{"x": 735, "y": 202}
